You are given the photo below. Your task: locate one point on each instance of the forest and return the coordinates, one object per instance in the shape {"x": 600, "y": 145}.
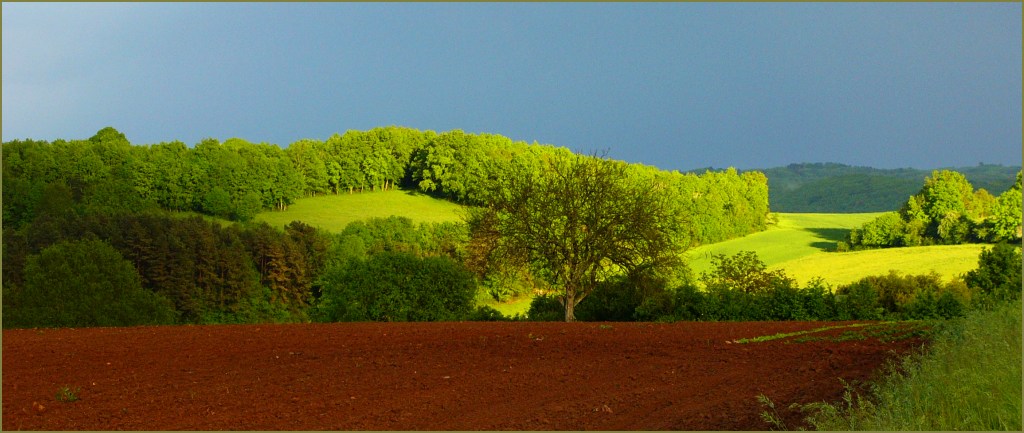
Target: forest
{"x": 104, "y": 223}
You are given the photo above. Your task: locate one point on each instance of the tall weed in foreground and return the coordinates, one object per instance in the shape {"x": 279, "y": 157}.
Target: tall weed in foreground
{"x": 970, "y": 379}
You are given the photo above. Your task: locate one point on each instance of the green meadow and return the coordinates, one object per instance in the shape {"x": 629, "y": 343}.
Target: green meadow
{"x": 803, "y": 245}
{"x": 949, "y": 261}
{"x": 334, "y": 212}
{"x": 793, "y": 236}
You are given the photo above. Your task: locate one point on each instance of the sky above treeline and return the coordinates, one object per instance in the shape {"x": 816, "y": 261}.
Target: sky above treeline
{"x": 677, "y": 85}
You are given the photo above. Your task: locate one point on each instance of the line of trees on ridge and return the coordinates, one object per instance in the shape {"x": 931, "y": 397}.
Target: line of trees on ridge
{"x": 126, "y": 202}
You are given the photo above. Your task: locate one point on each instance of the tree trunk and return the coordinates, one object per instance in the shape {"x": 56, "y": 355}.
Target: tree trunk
{"x": 570, "y": 307}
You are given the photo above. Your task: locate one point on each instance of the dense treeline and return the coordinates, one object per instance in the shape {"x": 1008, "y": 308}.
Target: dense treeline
{"x": 237, "y": 179}
{"x": 127, "y": 269}
{"x": 838, "y": 188}
{"x": 946, "y": 210}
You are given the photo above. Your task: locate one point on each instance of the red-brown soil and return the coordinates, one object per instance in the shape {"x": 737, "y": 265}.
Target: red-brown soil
{"x": 424, "y": 376}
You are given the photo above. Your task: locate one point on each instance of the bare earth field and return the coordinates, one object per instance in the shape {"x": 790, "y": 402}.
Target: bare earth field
{"x": 424, "y": 376}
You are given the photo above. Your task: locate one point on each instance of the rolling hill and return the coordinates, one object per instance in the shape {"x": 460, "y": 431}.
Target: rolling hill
{"x": 839, "y": 188}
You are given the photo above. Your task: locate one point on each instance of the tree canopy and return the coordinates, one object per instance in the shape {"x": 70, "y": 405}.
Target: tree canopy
{"x": 576, "y": 219}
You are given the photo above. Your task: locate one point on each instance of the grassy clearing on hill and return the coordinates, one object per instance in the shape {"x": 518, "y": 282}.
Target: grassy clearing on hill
{"x": 334, "y": 212}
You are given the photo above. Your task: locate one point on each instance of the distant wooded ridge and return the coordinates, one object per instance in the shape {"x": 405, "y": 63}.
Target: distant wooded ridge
{"x": 839, "y": 188}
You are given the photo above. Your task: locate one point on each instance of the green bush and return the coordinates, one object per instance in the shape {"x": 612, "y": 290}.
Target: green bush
{"x": 81, "y": 284}
{"x": 546, "y": 308}
{"x": 483, "y": 313}
{"x": 858, "y": 301}
{"x": 614, "y": 300}
{"x": 999, "y": 272}
{"x": 688, "y": 302}
{"x": 396, "y": 287}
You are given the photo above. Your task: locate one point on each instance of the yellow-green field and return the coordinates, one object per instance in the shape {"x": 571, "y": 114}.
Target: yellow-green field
{"x": 794, "y": 236}
{"x": 334, "y": 212}
{"x": 803, "y": 246}
{"x": 949, "y": 261}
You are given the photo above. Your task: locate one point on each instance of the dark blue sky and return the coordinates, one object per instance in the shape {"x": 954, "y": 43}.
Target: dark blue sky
{"x": 678, "y": 85}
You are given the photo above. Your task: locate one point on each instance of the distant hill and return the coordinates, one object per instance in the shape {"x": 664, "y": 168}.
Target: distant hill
{"x": 839, "y": 188}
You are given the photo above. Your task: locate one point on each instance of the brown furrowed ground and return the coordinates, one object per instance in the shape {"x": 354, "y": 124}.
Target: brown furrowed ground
{"x": 424, "y": 376}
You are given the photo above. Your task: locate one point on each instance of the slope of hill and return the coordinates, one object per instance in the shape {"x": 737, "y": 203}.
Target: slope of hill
{"x": 838, "y": 188}
{"x": 949, "y": 261}
{"x": 334, "y": 212}
{"x": 794, "y": 236}
{"x": 802, "y": 245}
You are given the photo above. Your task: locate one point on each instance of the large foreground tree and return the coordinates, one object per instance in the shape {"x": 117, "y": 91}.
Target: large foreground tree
{"x": 574, "y": 219}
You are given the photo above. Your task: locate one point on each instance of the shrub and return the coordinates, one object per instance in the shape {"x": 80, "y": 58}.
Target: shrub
{"x": 80, "y": 284}
{"x": 546, "y": 308}
{"x": 999, "y": 272}
{"x": 858, "y": 301}
{"x": 484, "y": 313}
{"x": 393, "y": 286}
{"x": 688, "y": 302}
{"x": 613, "y": 300}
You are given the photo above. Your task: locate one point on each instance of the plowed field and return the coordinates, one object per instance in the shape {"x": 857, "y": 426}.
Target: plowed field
{"x": 423, "y": 376}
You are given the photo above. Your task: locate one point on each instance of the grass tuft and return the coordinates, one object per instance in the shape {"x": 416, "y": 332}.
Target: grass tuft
{"x": 67, "y": 395}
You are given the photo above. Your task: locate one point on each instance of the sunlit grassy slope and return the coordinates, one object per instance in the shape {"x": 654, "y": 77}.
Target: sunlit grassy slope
{"x": 803, "y": 245}
{"x": 334, "y": 212}
{"x": 949, "y": 261}
{"x": 792, "y": 237}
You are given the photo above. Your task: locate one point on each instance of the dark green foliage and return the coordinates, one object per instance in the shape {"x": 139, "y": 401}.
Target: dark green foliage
{"x": 217, "y": 202}
{"x": 777, "y": 297}
{"x": 858, "y": 301}
{"x": 397, "y": 287}
{"x": 999, "y": 272}
{"x": 206, "y": 271}
{"x": 546, "y": 308}
{"x": 612, "y": 300}
{"x": 80, "y": 284}
{"x": 483, "y": 313}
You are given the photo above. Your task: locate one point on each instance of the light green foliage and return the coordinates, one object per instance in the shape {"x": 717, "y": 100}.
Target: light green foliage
{"x": 969, "y": 379}
{"x": 947, "y": 210}
{"x": 573, "y": 220}
{"x": 1006, "y": 214}
{"x": 743, "y": 271}
{"x": 885, "y": 230}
